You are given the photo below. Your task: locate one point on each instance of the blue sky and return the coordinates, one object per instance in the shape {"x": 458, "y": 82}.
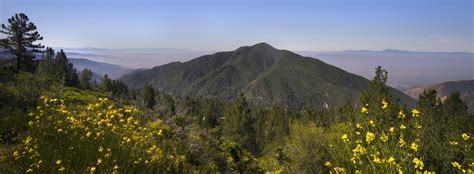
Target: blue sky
{"x": 213, "y": 25}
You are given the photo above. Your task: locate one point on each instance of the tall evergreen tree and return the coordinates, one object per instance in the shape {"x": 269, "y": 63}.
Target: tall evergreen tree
{"x": 85, "y": 80}
{"x": 119, "y": 89}
{"x": 20, "y": 37}
{"x": 149, "y": 96}
{"x": 377, "y": 101}
{"x": 239, "y": 123}
{"x": 377, "y": 90}
{"x": 46, "y": 67}
{"x": 66, "y": 69}
{"x": 277, "y": 124}
{"x": 105, "y": 84}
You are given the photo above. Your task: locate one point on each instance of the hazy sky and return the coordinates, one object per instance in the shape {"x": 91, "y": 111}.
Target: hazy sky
{"x": 213, "y": 25}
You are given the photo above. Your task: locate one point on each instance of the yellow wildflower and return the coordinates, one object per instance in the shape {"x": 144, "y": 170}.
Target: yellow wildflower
{"x": 414, "y": 147}
{"x": 384, "y": 104}
{"x": 465, "y": 136}
{"x": 116, "y": 167}
{"x": 358, "y": 126}
{"x": 369, "y": 137}
{"x": 391, "y": 161}
{"x": 418, "y": 126}
{"x": 30, "y": 123}
{"x": 359, "y": 149}
{"x": 384, "y": 137}
{"x": 372, "y": 123}
{"x": 328, "y": 164}
{"x": 401, "y": 142}
{"x": 16, "y": 155}
{"x": 29, "y": 170}
{"x": 415, "y": 112}
{"x": 92, "y": 170}
{"x": 364, "y": 110}
{"x": 453, "y": 143}
{"x": 344, "y": 138}
{"x": 418, "y": 163}
{"x": 99, "y": 161}
{"x": 160, "y": 131}
{"x": 377, "y": 159}
{"x": 58, "y": 162}
{"x": 88, "y": 134}
{"x": 340, "y": 170}
{"x": 391, "y": 129}
{"x": 401, "y": 114}
{"x": 27, "y": 140}
{"x": 456, "y": 165}
{"x": 62, "y": 168}
{"x": 403, "y": 126}
{"x": 101, "y": 149}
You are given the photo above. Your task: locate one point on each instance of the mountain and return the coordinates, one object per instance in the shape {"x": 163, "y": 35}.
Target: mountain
{"x": 406, "y": 68}
{"x": 266, "y": 75}
{"x": 113, "y": 71}
{"x": 464, "y": 87}
{"x": 134, "y": 57}
{"x": 99, "y": 68}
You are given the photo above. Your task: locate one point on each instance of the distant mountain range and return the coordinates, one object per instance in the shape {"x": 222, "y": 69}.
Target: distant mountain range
{"x": 134, "y": 58}
{"x": 98, "y": 68}
{"x": 464, "y": 87}
{"x": 406, "y": 69}
{"x": 113, "y": 71}
{"x": 264, "y": 74}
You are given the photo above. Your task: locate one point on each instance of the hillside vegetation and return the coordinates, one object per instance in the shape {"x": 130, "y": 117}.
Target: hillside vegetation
{"x": 264, "y": 74}
{"x": 53, "y": 121}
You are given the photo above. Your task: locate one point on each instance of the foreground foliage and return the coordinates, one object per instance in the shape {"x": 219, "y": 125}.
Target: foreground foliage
{"x": 100, "y": 137}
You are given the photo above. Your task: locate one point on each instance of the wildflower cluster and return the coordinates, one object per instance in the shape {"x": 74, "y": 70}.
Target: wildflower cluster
{"x": 105, "y": 137}
{"x": 375, "y": 145}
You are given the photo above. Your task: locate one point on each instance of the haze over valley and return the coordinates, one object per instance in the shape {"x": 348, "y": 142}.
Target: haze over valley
{"x": 404, "y": 70}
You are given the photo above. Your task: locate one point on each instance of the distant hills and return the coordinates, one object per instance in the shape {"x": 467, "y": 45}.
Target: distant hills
{"x": 113, "y": 71}
{"x": 98, "y": 68}
{"x": 464, "y": 87}
{"x": 406, "y": 69}
{"x": 266, "y": 76}
{"x": 134, "y": 58}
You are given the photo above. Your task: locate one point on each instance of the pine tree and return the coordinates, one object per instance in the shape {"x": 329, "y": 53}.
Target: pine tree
{"x": 239, "y": 123}
{"x": 149, "y": 96}
{"x": 46, "y": 68}
{"x": 66, "y": 70}
{"x": 377, "y": 90}
{"x": 377, "y": 100}
{"x": 20, "y": 37}
{"x": 106, "y": 84}
{"x": 86, "y": 79}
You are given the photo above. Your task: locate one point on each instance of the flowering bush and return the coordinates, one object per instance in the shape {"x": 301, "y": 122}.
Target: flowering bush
{"x": 97, "y": 138}
{"x": 375, "y": 145}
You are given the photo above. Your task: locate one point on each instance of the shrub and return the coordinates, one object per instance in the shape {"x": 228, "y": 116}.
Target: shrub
{"x": 99, "y": 137}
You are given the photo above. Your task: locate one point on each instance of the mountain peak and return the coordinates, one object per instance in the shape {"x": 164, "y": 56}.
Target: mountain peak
{"x": 262, "y": 44}
{"x": 258, "y": 46}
